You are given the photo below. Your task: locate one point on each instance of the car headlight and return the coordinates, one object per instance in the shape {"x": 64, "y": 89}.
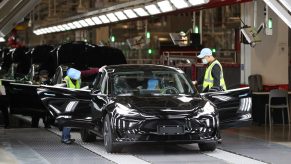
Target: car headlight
{"x": 123, "y": 110}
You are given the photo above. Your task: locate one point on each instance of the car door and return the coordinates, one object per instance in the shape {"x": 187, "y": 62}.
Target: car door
{"x": 24, "y": 99}
{"x": 234, "y": 106}
{"x": 77, "y": 108}
{"x": 70, "y": 107}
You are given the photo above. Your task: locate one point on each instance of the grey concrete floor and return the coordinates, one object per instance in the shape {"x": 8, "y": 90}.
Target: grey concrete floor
{"x": 255, "y": 144}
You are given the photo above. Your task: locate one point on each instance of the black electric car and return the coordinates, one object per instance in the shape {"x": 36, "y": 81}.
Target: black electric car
{"x": 147, "y": 103}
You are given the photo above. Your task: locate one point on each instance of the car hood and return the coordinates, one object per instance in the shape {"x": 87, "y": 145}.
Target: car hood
{"x": 168, "y": 104}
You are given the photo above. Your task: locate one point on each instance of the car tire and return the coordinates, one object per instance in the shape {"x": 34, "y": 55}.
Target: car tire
{"x": 87, "y": 136}
{"x": 110, "y": 146}
{"x": 207, "y": 146}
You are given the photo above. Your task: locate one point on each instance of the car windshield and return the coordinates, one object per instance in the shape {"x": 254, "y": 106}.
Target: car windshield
{"x": 150, "y": 82}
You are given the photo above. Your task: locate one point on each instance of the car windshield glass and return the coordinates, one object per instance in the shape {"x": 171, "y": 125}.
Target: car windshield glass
{"x": 150, "y": 82}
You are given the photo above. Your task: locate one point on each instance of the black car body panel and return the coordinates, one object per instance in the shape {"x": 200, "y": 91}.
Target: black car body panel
{"x": 24, "y": 100}
{"x": 234, "y": 106}
{"x": 22, "y": 93}
{"x": 141, "y": 116}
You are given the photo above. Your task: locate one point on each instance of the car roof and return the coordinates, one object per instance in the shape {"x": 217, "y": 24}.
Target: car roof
{"x": 129, "y": 67}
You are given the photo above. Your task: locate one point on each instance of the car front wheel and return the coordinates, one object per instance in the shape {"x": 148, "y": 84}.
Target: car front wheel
{"x": 87, "y": 136}
{"x": 110, "y": 146}
{"x": 207, "y": 146}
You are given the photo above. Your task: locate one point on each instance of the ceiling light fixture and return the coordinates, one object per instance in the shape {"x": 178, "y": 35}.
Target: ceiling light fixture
{"x": 61, "y": 27}
{"x": 66, "y": 27}
{"x": 141, "y": 12}
{"x": 104, "y": 19}
{"x": 83, "y": 23}
{"x": 35, "y": 32}
{"x": 46, "y": 30}
{"x": 77, "y": 24}
{"x": 198, "y": 2}
{"x": 165, "y": 6}
{"x": 52, "y": 29}
{"x": 152, "y": 9}
{"x": 89, "y": 21}
{"x": 40, "y": 31}
{"x": 129, "y": 13}
{"x": 56, "y": 28}
{"x": 120, "y": 15}
{"x": 179, "y": 4}
{"x": 96, "y": 20}
{"x": 71, "y": 25}
{"x": 111, "y": 17}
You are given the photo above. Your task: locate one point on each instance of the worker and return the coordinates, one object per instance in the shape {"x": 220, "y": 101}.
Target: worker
{"x": 41, "y": 79}
{"x": 213, "y": 77}
{"x": 73, "y": 81}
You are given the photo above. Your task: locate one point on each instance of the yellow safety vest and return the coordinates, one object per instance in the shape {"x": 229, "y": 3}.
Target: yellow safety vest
{"x": 70, "y": 84}
{"x": 208, "y": 78}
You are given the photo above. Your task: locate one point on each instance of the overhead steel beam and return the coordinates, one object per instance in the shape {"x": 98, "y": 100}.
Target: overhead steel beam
{"x": 280, "y": 10}
{"x": 12, "y": 11}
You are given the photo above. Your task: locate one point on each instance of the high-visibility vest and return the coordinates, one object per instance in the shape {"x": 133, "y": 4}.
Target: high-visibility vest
{"x": 70, "y": 84}
{"x": 208, "y": 78}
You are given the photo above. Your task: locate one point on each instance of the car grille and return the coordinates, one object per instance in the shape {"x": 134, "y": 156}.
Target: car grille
{"x": 151, "y": 125}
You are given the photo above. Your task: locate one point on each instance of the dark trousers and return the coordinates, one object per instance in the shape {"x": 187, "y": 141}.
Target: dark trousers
{"x": 4, "y": 109}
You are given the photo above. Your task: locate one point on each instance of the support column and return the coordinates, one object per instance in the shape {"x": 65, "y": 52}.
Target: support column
{"x": 102, "y": 34}
{"x": 247, "y": 18}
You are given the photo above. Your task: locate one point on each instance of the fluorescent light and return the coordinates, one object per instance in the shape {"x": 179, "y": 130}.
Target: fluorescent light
{"x": 51, "y": 29}
{"x": 40, "y": 31}
{"x": 198, "y": 2}
{"x": 152, "y": 9}
{"x": 280, "y": 11}
{"x": 96, "y": 20}
{"x": 120, "y": 15}
{"x": 165, "y": 6}
{"x": 89, "y": 21}
{"x": 36, "y": 32}
{"x": 179, "y": 4}
{"x": 141, "y": 12}
{"x": 56, "y": 28}
{"x": 61, "y": 27}
{"x": 83, "y": 23}
{"x": 47, "y": 30}
{"x": 66, "y": 27}
{"x": 129, "y": 13}
{"x": 287, "y": 4}
{"x": 77, "y": 24}
{"x": 71, "y": 25}
{"x": 43, "y": 31}
{"x": 112, "y": 17}
{"x": 104, "y": 19}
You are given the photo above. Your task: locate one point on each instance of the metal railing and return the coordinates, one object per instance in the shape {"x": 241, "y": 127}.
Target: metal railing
{"x": 185, "y": 58}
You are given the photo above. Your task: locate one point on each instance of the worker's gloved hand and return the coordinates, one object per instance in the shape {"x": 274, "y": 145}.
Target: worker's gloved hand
{"x": 194, "y": 82}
